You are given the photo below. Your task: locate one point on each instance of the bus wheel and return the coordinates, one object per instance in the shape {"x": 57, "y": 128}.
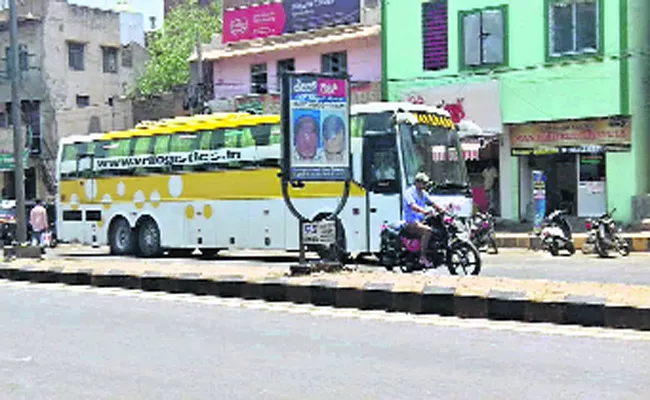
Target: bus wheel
{"x": 148, "y": 238}
{"x": 120, "y": 237}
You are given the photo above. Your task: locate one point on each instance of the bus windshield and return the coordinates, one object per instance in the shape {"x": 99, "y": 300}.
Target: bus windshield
{"x": 436, "y": 151}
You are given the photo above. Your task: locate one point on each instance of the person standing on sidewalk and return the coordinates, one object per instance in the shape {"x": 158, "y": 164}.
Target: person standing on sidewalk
{"x": 38, "y": 220}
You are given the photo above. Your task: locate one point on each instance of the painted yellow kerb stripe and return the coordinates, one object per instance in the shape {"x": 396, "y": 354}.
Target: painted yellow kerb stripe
{"x": 223, "y": 185}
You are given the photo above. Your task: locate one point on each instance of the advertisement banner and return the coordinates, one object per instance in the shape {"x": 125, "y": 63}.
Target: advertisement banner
{"x": 254, "y": 22}
{"x": 305, "y": 15}
{"x": 290, "y": 16}
{"x": 316, "y": 120}
{"x": 539, "y": 199}
{"x": 613, "y": 132}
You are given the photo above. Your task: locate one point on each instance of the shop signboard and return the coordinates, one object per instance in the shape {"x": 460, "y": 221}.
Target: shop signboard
{"x": 474, "y": 107}
{"x": 316, "y": 121}
{"x": 539, "y": 199}
{"x": 594, "y": 135}
{"x": 289, "y": 16}
{"x": 7, "y": 161}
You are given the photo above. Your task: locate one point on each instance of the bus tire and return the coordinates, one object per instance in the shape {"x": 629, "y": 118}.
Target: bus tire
{"x": 148, "y": 238}
{"x": 336, "y": 252}
{"x": 121, "y": 239}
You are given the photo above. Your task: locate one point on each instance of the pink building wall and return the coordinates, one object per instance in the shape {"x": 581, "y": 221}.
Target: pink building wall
{"x": 232, "y": 76}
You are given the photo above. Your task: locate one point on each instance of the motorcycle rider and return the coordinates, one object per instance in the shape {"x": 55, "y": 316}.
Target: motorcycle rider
{"x": 416, "y": 199}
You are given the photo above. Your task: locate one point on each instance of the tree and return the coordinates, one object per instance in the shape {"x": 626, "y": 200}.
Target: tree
{"x": 171, "y": 47}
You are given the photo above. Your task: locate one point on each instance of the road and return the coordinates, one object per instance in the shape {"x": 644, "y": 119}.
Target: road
{"x": 79, "y": 343}
{"x": 509, "y": 263}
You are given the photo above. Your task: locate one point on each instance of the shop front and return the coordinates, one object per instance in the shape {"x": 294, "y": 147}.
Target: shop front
{"x": 572, "y": 155}
{"x": 475, "y": 109}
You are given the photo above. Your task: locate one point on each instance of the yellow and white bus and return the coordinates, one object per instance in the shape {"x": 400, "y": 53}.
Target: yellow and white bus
{"x": 212, "y": 183}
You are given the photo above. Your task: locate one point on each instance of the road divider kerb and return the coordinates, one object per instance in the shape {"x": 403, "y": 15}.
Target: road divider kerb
{"x": 459, "y": 298}
{"x": 637, "y": 242}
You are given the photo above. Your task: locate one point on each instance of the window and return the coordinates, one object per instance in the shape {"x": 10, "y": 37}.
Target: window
{"x": 182, "y": 142}
{"x": 334, "y": 62}
{"x": 83, "y": 101}
{"x": 127, "y": 57}
{"x": 76, "y": 56}
{"x": 23, "y": 58}
{"x": 484, "y": 37}
{"x": 109, "y": 57}
{"x": 434, "y": 35}
{"x": 259, "y": 83}
{"x": 574, "y": 27}
{"x": 288, "y": 65}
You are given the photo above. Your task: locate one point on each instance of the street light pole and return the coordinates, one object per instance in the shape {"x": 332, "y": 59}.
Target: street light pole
{"x": 19, "y": 144}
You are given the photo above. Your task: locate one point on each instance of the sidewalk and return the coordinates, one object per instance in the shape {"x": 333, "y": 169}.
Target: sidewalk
{"x": 589, "y": 304}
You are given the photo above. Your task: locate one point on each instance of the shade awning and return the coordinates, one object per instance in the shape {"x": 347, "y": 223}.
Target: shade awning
{"x": 291, "y": 42}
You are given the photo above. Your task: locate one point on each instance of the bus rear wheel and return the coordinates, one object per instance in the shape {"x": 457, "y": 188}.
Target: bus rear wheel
{"x": 121, "y": 239}
{"x": 149, "y": 238}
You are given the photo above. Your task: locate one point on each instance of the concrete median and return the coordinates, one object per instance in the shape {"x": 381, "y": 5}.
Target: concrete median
{"x": 586, "y": 304}
{"x": 638, "y": 242}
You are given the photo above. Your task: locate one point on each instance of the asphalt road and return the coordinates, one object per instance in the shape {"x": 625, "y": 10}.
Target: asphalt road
{"x": 510, "y": 263}
{"x": 58, "y": 344}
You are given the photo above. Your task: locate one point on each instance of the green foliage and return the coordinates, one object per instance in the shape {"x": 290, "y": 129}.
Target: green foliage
{"x": 171, "y": 47}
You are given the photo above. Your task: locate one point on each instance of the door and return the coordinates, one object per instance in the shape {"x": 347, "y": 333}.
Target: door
{"x": 381, "y": 178}
{"x": 592, "y": 196}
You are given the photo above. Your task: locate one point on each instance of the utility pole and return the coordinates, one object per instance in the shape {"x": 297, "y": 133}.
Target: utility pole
{"x": 19, "y": 143}
{"x": 199, "y": 68}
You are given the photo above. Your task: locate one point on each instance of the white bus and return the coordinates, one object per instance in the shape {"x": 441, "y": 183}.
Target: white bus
{"x": 212, "y": 183}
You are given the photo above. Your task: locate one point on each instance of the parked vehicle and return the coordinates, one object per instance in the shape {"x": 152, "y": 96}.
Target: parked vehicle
{"x": 557, "y": 234}
{"x": 8, "y": 222}
{"x": 449, "y": 246}
{"x": 482, "y": 234}
{"x": 603, "y": 236}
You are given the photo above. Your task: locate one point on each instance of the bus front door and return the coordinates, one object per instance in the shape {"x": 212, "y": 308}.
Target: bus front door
{"x": 381, "y": 176}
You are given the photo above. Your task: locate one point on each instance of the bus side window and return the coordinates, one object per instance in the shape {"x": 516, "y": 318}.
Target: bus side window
{"x": 121, "y": 149}
{"x": 100, "y": 154}
{"x": 68, "y": 167}
{"x": 141, "y": 146}
{"x": 84, "y": 162}
{"x": 160, "y": 147}
{"x": 380, "y": 164}
{"x": 183, "y": 143}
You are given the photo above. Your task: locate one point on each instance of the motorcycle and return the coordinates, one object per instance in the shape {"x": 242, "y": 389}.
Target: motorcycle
{"x": 556, "y": 234}
{"x": 481, "y": 227}
{"x": 450, "y": 246}
{"x": 603, "y": 236}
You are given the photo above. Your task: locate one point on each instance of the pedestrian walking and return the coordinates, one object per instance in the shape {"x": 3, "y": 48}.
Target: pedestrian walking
{"x": 38, "y": 221}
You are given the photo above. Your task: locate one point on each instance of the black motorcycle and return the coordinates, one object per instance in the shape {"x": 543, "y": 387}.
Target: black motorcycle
{"x": 557, "y": 234}
{"x": 604, "y": 236}
{"x": 482, "y": 234}
{"x": 450, "y": 246}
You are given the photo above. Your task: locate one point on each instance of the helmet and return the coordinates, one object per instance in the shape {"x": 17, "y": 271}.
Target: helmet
{"x": 422, "y": 177}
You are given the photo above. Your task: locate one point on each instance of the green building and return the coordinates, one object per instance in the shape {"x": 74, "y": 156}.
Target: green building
{"x": 559, "y": 86}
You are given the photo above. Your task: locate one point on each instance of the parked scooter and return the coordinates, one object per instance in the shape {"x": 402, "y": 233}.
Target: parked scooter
{"x": 557, "y": 234}
{"x": 603, "y": 236}
{"x": 450, "y": 246}
{"x": 482, "y": 234}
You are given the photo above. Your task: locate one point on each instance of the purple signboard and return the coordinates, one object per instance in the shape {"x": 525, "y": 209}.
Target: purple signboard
{"x": 304, "y": 15}
{"x": 434, "y": 35}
